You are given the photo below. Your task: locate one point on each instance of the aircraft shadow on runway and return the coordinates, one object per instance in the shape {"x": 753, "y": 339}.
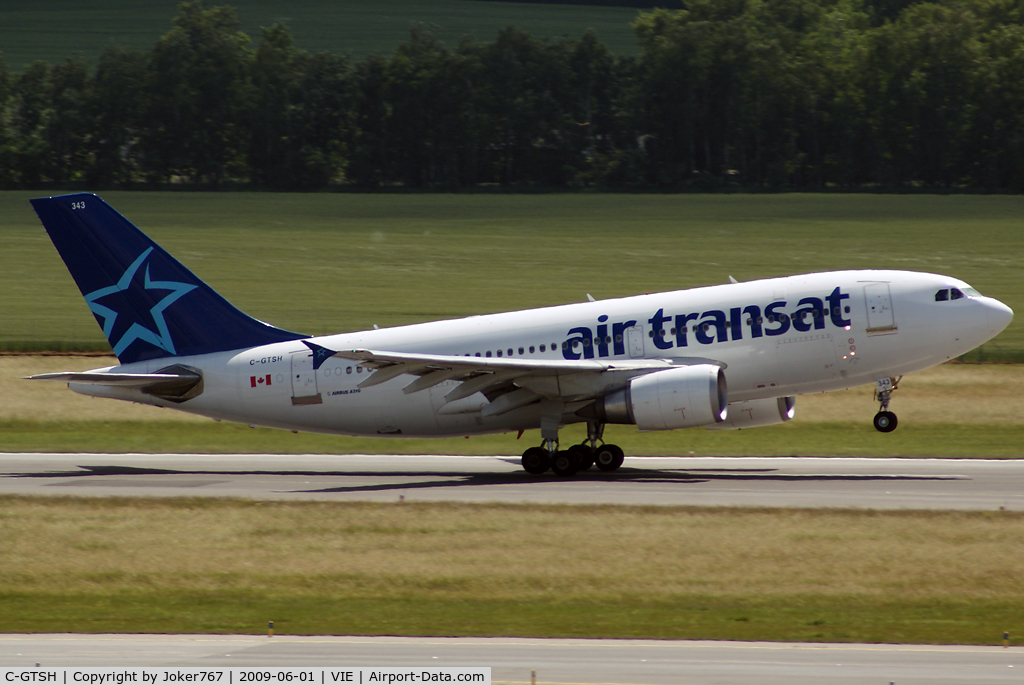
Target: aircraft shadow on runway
{"x": 471, "y": 479}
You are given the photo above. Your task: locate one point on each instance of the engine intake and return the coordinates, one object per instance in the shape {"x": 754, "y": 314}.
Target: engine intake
{"x": 753, "y": 413}
{"x": 677, "y": 398}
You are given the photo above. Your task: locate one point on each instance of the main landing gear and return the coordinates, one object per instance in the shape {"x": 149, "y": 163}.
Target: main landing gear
{"x": 885, "y": 421}
{"x": 569, "y": 462}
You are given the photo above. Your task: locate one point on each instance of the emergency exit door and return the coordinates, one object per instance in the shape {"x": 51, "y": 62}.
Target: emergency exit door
{"x": 635, "y": 342}
{"x": 304, "y": 389}
{"x": 881, "y": 318}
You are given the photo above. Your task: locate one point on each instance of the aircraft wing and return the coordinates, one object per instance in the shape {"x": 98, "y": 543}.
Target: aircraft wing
{"x": 513, "y": 382}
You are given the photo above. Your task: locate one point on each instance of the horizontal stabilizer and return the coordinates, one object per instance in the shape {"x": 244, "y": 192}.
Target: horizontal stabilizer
{"x": 120, "y": 380}
{"x": 176, "y": 383}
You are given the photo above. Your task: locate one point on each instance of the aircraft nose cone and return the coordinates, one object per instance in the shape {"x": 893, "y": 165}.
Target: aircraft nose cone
{"x": 999, "y": 315}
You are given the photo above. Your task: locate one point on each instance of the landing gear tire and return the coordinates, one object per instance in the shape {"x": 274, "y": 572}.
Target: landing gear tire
{"x": 536, "y": 460}
{"x": 564, "y": 463}
{"x": 584, "y": 455}
{"x": 885, "y": 422}
{"x": 608, "y": 457}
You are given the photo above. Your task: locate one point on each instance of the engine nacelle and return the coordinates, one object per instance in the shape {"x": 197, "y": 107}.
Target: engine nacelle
{"x": 676, "y": 398}
{"x": 753, "y": 413}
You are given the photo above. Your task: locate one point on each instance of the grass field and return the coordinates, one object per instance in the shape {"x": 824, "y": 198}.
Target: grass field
{"x": 55, "y": 30}
{"x": 126, "y": 565}
{"x": 324, "y": 263}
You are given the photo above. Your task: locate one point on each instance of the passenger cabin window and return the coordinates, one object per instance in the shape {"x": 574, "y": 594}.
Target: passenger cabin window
{"x": 942, "y": 295}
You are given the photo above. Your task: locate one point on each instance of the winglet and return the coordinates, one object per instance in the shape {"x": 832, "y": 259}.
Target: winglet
{"x": 320, "y": 354}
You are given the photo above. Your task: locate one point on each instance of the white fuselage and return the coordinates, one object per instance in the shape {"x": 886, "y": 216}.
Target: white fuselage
{"x": 777, "y": 337}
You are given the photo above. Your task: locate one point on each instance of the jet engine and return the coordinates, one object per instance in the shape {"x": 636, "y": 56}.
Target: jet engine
{"x": 754, "y": 413}
{"x": 664, "y": 400}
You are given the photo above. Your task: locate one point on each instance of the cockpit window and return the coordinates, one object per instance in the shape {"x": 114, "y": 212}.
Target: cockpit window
{"x": 955, "y": 294}
{"x": 971, "y": 292}
{"x": 942, "y": 295}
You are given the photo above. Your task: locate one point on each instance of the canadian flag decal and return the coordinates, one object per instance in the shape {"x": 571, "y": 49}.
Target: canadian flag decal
{"x": 256, "y": 381}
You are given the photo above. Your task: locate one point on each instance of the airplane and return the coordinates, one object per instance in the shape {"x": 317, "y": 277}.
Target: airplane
{"x": 727, "y": 356}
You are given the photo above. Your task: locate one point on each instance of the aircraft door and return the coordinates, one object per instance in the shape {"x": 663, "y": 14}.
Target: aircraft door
{"x": 635, "y": 342}
{"x": 881, "y": 318}
{"x": 304, "y": 389}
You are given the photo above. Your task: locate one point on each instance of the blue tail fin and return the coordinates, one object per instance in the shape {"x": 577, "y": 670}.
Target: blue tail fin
{"x": 147, "y": 303}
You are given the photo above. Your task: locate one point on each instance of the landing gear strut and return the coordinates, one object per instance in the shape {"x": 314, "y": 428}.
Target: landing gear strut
{"x": 885, "y": 421}
{"x": 569, "y": 462}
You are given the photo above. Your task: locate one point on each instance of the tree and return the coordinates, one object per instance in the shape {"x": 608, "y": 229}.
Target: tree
{"x": 29, "y": 110}
{"x": 368, "y": 160}
{"x": 115, "y": 107}
{"x": 6, "y": 144}
{"x": 67, "y": 125}
{"x": 522, "y": 109}
{"x": 924, "y": 71}
{"x": 426, "y": 117}
{"x": 198, "y": 90}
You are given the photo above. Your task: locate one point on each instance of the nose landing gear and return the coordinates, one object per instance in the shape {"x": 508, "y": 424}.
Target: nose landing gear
{"x": 885, "y": 421}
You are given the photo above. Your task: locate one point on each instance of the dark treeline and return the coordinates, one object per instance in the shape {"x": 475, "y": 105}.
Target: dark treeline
{"x": 809, "y": 94}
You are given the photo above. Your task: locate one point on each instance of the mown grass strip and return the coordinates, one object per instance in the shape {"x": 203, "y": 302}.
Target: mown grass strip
{"x": 808, "y": 619}
{"x": 228, "y": 566}
{"x": 965, "y": 441}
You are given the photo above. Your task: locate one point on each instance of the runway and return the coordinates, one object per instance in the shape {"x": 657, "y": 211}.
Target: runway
{"x": 591, "y": 662}
{"x": 773, "y": 482}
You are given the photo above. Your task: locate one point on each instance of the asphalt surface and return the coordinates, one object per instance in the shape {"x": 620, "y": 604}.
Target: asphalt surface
{"x": 604, "y": 662}
{"x": 775, "y": 482}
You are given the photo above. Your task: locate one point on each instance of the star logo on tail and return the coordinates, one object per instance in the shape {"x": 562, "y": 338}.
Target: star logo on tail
{"x": 134, "y": 294}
